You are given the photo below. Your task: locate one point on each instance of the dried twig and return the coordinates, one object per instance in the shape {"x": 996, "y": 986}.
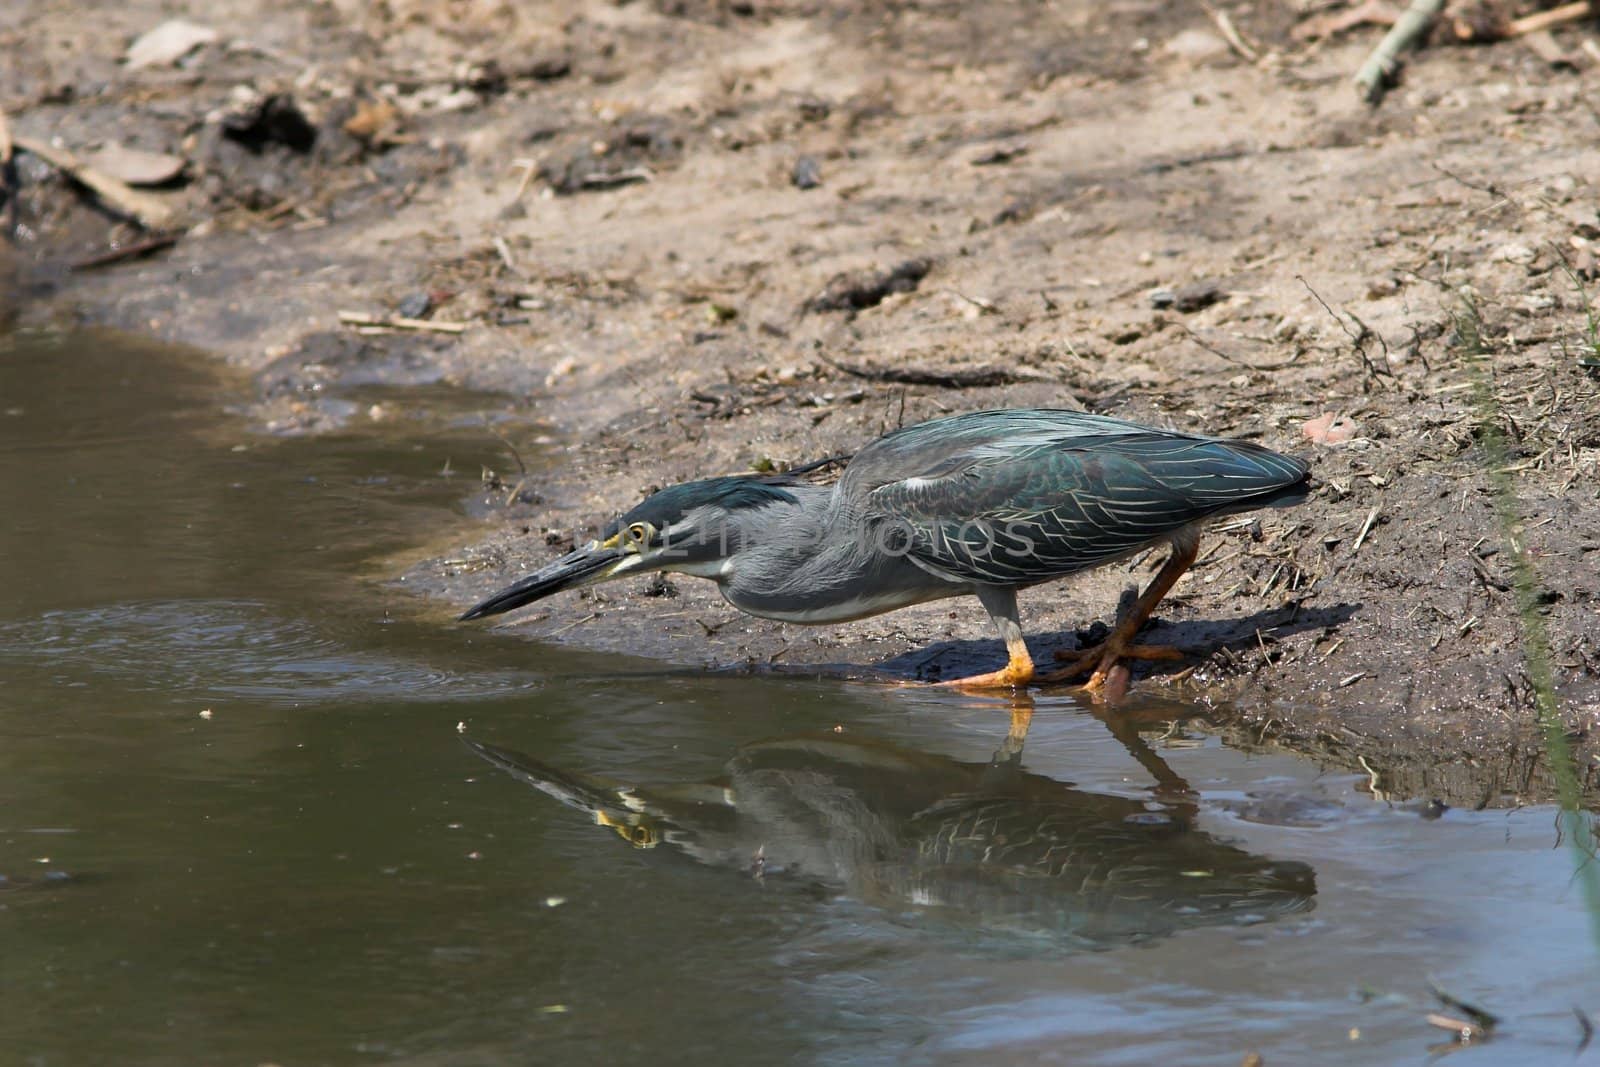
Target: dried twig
{"x": 1358, "y": 340}
{"x": 372, "y": 323}
{"x": 1556, "y": 16}
{"x": 132, "y": 250}
{"x": 1230, "y": 33}
{"x": 1235, "y": 360}
{"x": 504, "y": 249}
{"x": 1481, "y": 1022}
{"x": 1366, "y": 528}
{"x": 147, "y": 211}
{"x": 1463, "y": 1030}
{"x": 521, "y": 466}
{"x": 955, "y": 378}
{"x": 593, "y": 615}
{"x": 1383, "y": 65}
{"x": 1373, "y": 11}
{"x": 1493, "y": 29}
{"x": 528, "y": 167}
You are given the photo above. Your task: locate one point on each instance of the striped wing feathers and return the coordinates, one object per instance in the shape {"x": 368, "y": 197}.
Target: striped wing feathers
{"x": 1025, "y": 507}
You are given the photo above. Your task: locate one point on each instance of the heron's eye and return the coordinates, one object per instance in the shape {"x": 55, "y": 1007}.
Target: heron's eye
{"x": 639, "y": 534}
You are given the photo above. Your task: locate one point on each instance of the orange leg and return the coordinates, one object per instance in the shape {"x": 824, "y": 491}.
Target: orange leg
{"x": 1018, "y": 671}
{"x": 1104, "y": 658}
{"x": 1021, "y": 719}
{"x": 1010, "y": 751}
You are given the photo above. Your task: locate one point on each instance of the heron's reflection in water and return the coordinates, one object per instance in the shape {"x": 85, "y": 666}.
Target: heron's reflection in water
{"x": 975, "y": 842}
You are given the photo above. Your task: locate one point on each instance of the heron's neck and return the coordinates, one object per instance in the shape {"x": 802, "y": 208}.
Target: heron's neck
{"x": 814, "y": 562}
{"x": 791, "y": 540}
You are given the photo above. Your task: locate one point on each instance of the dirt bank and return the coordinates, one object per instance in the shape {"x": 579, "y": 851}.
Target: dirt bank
{"x": 640, "y": 214}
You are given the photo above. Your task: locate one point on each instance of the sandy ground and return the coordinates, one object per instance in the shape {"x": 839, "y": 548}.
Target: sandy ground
{"x": 1098, "y": 205}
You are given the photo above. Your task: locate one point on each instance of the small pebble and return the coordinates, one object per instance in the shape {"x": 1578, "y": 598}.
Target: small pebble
{"x": 1196, "y": 46}
{"x": 1515, "y": 253}
{"x": 415, "y": 306}
{"x": 807, "y": 173}
{"x": 562, "y": 368}
{"x": 1187, "y": 298}
{"x": 1382, "y": 287}
{"x": 999, "y": 154}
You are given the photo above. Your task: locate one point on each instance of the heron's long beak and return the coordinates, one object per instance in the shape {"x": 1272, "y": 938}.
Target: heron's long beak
{"x": 585, "y": 794}
{"x": 594, "y": 562}
{"x": 606, "y": 804}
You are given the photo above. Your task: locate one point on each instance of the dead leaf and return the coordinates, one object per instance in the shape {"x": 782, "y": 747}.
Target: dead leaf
{"x": 374, "y": 122}
{"x": 150, "y": 212}
{"x": 135, "y": 166}
{"x": 167, "y": 43}
{"x": 1320, "y": 26}
{"x": 1330, "y": 429}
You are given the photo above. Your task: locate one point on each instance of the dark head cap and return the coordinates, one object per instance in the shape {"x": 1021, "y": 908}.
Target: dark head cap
{"x": 671, "y": 504}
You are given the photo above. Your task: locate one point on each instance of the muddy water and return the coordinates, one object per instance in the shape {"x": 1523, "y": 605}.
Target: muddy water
{"x": 238, "y": 822}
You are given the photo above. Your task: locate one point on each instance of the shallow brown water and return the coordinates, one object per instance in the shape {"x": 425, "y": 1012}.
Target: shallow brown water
{"x": 320, "y": 872}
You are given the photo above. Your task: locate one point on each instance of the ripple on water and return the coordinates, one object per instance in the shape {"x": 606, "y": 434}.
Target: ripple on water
{"x": 230, "y": 648}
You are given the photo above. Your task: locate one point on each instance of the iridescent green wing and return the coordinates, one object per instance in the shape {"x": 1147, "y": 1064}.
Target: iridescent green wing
{"x": 1031, "y": 507}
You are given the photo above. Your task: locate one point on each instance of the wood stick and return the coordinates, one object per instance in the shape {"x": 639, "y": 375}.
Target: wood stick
{"x": 1481, "y": 26}
{"x": 146, "y": 210}
{"x": 1378, "y": 72}
{"x": 128, "y": 251}
{"x": 950, "y": 378}
{"x": 1231, "y": 34}
{"x": 362, "y": 319}
{"x": 1374, "y": 11}
{"x": 1366, "y": 528}
{"x": 1544, "y": 20}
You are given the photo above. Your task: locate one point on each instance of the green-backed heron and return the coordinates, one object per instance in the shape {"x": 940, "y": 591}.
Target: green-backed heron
{"x": 985, "y": 503}
{"x": 970, "y": 842}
